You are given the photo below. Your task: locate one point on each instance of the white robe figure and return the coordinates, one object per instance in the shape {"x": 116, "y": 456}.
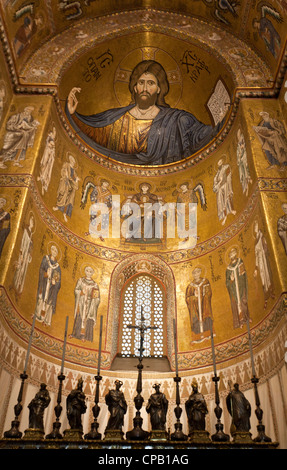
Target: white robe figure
{"x": 24, "y": 258}
{"x": 242, "y": 163}
{"x": 20, "y": 135}
{"x": 47, "y": 161}
{"x": 222, "y": 186}
{"x": 263, "y": 265}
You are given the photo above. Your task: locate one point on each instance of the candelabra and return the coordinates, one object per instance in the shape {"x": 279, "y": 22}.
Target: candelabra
{"x": 137, "y": 433}
{"x": 94, "y": 433}
{"x": 55, "y": 434}
{"x": 178, "y": 434}
{"x": 219, "y": 435}
{"x": 261, "y": 437}
{"x": 14, "y": 430}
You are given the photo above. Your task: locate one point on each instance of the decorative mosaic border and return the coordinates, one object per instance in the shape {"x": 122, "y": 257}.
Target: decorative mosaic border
{"x": 272, "y": 184}
{"x": 118, "y": 24}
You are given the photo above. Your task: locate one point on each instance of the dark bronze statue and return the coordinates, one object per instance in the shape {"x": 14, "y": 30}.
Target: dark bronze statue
{"x": 157, "y": 409}
{"x": 37, "y": 407}
{"x": 117, "y": 407}
{"x": 239, "y": 408}
{"x": 196, "y": 410}
{"x": 76, "y": 406}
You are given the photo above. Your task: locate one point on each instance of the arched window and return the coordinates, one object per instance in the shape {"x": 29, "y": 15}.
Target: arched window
{"x": 143, "y": 293}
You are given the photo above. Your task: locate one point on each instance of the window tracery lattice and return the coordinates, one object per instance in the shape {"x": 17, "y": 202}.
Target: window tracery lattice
{"x": 146, "y": 291}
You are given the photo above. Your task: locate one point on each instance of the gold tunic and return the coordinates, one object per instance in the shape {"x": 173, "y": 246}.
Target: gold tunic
{"x": 126, "y": 135}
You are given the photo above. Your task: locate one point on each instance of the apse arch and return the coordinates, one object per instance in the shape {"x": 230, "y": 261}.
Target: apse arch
{"x": 131, "y": 266}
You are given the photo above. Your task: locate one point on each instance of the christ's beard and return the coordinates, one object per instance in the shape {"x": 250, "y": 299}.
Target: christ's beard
{"x": 145, "y": 100}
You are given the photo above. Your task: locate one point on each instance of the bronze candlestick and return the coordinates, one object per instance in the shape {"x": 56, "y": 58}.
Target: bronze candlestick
{"x": 14, "y": 431}
{"x": 55, "y": 434}
{"x": 219, "y": 436}
{"x": 94, "y": 433}
{"x": 178, "y": 434}
{"x": 137, "y": 433}
{"x": 261, "y": 437}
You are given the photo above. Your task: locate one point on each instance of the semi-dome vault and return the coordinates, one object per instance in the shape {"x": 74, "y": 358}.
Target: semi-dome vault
{"x": 129, "y": 104}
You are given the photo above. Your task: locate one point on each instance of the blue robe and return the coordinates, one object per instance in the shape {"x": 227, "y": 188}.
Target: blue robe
{"x": 174, "y": 134}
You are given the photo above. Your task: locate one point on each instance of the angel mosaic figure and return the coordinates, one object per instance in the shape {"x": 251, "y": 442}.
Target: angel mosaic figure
{"x": 101, "y": 199}
{"x": 186, "y": 195}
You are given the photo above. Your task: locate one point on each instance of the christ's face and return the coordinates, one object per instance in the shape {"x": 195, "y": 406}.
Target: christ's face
{"x": 146, "y": 90}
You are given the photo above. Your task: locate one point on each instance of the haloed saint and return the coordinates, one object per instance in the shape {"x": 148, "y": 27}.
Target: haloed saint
{"x": 87, "y": 300}
{"x": 49, "y": 284}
